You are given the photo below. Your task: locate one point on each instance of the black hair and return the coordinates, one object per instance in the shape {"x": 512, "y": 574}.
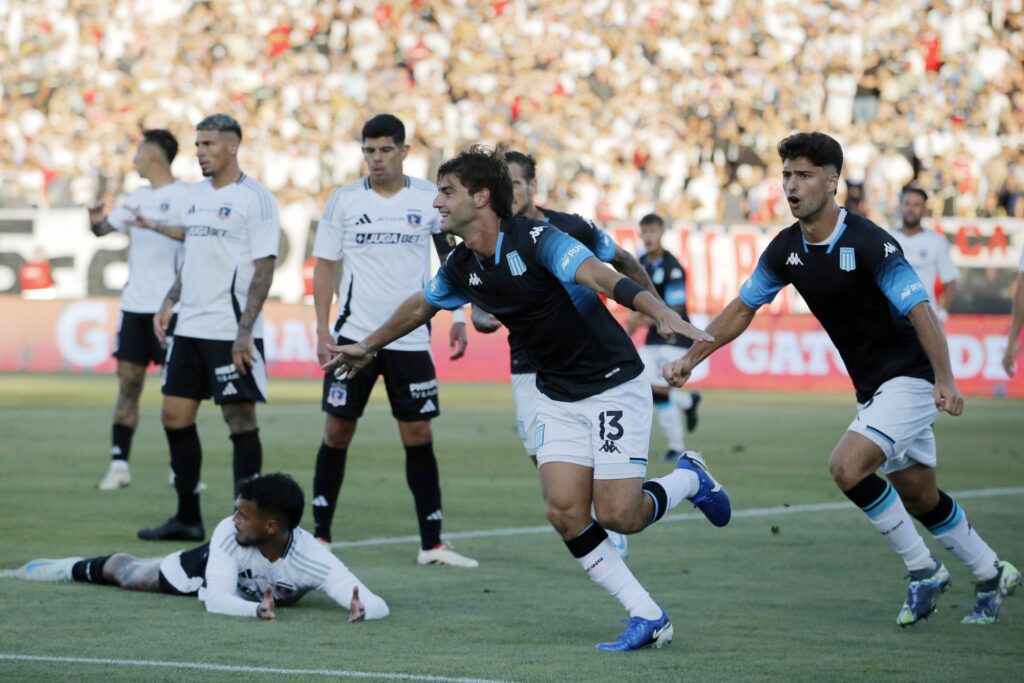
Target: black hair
{"x": 163, "y": 139}
{"x": 914, "y": 189}
{"x": 526, "y": 162}
{"x": 479, "y": 168}
{"x": 653, "y": 219}
{"x": 818, "y": 148}
{"x": 275, "y": 494}
{"x": 222, "y": 123}
{"x": 385, "y": 126}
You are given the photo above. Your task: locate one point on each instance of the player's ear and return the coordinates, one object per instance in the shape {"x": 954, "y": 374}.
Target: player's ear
{"x": 481, "y": 198}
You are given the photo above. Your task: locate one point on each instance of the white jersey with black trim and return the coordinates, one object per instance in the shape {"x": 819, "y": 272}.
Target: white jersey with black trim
{"x": 237, "y": 576}
{"x": 384, "y": 243}
{"x": 929, "y": 253}
{"x": 153, "y": 259}
{"x": 226, "y": 229}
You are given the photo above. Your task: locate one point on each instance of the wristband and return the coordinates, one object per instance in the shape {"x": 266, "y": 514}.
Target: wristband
{"x": 458, "y": 316}
{"x": 365, "y": 347}
{"x": 626, "y": 291}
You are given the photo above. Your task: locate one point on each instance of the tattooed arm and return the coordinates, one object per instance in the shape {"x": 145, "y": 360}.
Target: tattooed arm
{"x": 241, "y": 350}
{"x": 163, "y": 317}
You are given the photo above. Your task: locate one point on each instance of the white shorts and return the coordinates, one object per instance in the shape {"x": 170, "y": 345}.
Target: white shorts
{"x": 898, "y": 419}
{"x": 609, "y": 432}
{"x": 655, "y": 357}
{"x": 525, "y": 393}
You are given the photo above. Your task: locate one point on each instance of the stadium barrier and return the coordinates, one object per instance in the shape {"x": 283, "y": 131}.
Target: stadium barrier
{"x": 778, "y": 352}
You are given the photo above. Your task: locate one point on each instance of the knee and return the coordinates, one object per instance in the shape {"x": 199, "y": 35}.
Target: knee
{"x": 240, "y": 417}
{"x": 131, "y": 386}
{"x": 173, "y": 419}
{"x": 845, "y": 476}
{"x": 338, "y": 433}
{"x": 566, "y": 518}
{"x": 416, "y": 433}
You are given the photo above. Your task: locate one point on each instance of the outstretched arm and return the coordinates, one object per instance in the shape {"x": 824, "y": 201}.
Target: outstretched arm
{"x": 626, "y": 263}
{"x": 726, "y": 326}
{"x": 262, "y": 277}
{"x": 174, "y": 232}
{"x": 1017, "y": 322}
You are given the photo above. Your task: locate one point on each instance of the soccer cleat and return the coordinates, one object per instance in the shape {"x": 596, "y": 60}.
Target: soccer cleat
{"x": 619, "y": 541}
{"x": 118, "y": 476}
{"x": 671, "y": 455}
{"x": 641, "y": 633}
{"x": 444, "y": 553}
{"x": 926, "y": 585}
{"x": 691, "y": 412}
{"x": 989, "y": 595}
{"x": 200, "y": 487}
{"x": 711, "y": 498}
{"x": 173, "y": 530}
{"x": 54, "y": 571}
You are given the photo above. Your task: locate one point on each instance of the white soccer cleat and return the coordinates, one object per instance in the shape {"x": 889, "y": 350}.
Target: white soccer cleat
{"x": 54, "y": 571}
{"x": 117, "y": 477}
{"x": 200, "y": 487}
{"x": 444, "y": 553}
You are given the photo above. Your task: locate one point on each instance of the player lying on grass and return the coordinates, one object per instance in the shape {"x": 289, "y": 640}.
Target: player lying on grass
{"x": 257, "y": 559}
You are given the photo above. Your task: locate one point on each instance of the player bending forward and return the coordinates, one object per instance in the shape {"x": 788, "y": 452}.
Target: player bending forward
{"x": 257, "y": 559}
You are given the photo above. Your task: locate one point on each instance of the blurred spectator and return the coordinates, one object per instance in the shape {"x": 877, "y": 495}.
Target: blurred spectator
{"x": 36, "y": 277}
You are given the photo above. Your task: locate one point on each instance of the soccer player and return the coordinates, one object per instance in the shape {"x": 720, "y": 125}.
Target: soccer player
{"x": 669, "y": 278}
{"x": 257, "y": 559}
{"x": 875, "y": 309}
{"x": 231, "y": 242}
{"x": 926, "y": 250}
{"x": 381, "y": 226}
{"x": 1016, "y": 323}
{"x": 154, "y": 255}
{"x": 594, "y": 409}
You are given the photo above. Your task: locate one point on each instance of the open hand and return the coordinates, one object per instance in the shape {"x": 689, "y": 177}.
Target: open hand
{"x": 266, "y": 609}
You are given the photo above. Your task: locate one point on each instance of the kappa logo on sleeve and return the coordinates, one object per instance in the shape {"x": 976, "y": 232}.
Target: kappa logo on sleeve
{"x": 890, "y": 248}
{"x": 535, "y": 232}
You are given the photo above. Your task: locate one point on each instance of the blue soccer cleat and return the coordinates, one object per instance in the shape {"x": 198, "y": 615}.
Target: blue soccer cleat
{"x": 711, "y": 498}
{"x": 641, "y": 633}
{"x": 989, "y": 595}
{"x": 926, "y": 585}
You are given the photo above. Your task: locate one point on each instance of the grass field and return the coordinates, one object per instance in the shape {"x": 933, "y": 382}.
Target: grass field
{"x": 781, "y": 594}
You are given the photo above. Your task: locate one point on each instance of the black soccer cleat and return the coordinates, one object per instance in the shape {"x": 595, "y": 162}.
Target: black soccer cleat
{"x": 691, "y": 412}
{"x": 173, "y": 530}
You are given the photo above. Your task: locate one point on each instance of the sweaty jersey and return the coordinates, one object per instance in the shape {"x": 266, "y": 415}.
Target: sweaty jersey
{"x": 579, "y": 348}
{"x": 860, "y": 288}
{"x": 385, "y": 246}
{"x": 928, "y": 252}
{"x": 669, "y": 278}
{"x": 593, "y": 238}
{"x": 153, "y": 259}
{"x": 226, "y": 229}
{"x": 236, "y": 576}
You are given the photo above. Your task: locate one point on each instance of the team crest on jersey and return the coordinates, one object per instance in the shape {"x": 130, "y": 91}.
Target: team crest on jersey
{"x": 165, "y": 207}
{"x": 414, "y": 218}
{"x": 659, "y": 276}
{"x": 223, "y": 212}
{"x": 337, "y": 395}
{"x": 515, "y": 263}
{"x": 847, "y": 261}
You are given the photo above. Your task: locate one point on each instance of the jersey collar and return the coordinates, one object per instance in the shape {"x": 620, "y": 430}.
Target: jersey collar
{"x": 837, "y": 232}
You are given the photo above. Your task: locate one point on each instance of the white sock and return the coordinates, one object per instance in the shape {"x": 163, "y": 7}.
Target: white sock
{"x": 681, "y": 399}
{"x": 671, "y": 422}
{"x": 891, "y": 519}
{"x": 604, "y": 566}
{"x": 679, "y": 485}
{"x": 959, "y": 537}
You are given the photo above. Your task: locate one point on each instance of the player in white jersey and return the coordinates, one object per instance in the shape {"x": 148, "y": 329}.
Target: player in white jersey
{"x": 381, "y": 227}
{"x": 926, "y": 250}
{"x": 232, "y": 233}
{"x": 257, "y": 559}
{"x": 149, "y": 216}
{"x": 1016, "y": 323}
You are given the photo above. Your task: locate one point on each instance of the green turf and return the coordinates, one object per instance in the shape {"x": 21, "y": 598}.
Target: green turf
{"x": 801, "y": 597}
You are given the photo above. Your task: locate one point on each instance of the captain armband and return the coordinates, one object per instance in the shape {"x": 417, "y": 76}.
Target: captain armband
{"x": 626, "y": 291}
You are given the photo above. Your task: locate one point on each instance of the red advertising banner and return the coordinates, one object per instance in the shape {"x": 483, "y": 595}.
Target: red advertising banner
{"x": 777, "y": 353}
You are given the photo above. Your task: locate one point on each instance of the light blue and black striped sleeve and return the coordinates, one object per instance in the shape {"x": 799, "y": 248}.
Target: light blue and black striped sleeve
{"x": 561, "y": 254}
{"x": 441, "y": 292}
{"x": 764, "y": 283}
{"x": 897, "y": 278}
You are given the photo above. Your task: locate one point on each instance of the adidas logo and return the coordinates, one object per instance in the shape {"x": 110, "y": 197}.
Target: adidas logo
{"x": 428, "y": 406}
{"x": 474, "y": 280}
{"x": 434, "y": 516}
{"x": 794, "y": 260}
{"x": 364, "y": 220}
{"x": 320, "y": 502}
{"x": 229, "y": 390}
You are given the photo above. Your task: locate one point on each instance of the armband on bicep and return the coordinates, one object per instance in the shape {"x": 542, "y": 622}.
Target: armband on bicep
{"x": 626, "y": 291}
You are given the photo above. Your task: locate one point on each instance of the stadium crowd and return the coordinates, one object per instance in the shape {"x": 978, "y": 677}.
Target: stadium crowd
{"x": 651, "y": 105}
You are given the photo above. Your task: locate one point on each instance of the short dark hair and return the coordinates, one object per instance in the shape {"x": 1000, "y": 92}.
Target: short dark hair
{"x": 914, "y": 189}
{"x": 384, "y": 126}
{"x": 479, "y": 168}
{"x": 275, "y": 494}
{"x": 653, "y": 219}
{"x": 526, "y": 162}
{"x": 163, "y": 139}
{"x": 222, "y": 123}
{"x": 818, "y": 148}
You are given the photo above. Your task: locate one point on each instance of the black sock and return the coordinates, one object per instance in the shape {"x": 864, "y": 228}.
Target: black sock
{"x": 868, "y": 492}
{"x": 90, "y": 570}
{"x": 248, "y": 455}
{"x": 330, "y": 473}
{"x": 122, "y": 442}
{"x": 590, "y": 538}
{"x": 186, "y": 461}
{"x": 424, "y": 482}
{"x": 660, "y": 498}
{"x": 940, "y": 514}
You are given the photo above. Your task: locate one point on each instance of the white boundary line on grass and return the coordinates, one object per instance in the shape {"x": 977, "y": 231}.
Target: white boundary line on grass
{"x": 333, "y": 673}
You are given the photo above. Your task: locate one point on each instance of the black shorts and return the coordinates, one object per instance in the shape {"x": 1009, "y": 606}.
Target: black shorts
{"x": 184, "y": 573}
{"x": 202, "y": 368}
{"x": 136, "y": 341}
{"x": 409, "y": 378}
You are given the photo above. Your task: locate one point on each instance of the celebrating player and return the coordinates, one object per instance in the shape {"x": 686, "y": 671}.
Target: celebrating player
{"x": 257, "y": 559}
{"x": 594, "y": 409}
{"x": 231, "y": 243}
{"x": 875, "y": 309}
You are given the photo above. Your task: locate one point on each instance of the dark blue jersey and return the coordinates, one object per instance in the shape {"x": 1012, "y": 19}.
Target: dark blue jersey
{"x": 860, "y": 288}
{"x": 593, "y": 238}
{"x": 669, "y": 278}
{"x": 579, "y": 349}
